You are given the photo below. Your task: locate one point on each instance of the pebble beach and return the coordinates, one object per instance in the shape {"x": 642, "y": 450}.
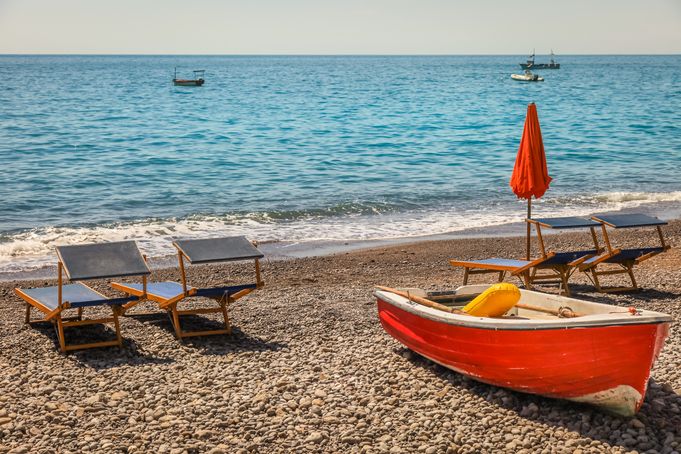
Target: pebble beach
{"x": 308, "y": 368}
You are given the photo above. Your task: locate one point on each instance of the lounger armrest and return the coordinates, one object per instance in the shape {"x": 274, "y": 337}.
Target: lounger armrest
{"x": 463, "y": 263}
{"x": 579, "y": 261}
{"x": 651, "y": 254}
{"x": 532, "y": 264}
{"x": 600, "y": 259}
{"x": 122, "y": 287}
{"x": 492, "y": 264}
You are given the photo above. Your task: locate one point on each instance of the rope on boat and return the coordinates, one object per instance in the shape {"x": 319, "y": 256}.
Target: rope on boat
{"x": 562, "y": 312}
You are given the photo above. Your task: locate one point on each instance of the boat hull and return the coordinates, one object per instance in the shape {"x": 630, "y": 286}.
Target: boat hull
{"x": 188, "y": 83}
{"x": 523, "y": 78}
{"x": 607, "y": 366}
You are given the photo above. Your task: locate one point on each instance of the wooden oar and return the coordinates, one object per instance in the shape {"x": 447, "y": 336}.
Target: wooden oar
{"x": 421, "y": 300}
{"x": 565, "y": 312}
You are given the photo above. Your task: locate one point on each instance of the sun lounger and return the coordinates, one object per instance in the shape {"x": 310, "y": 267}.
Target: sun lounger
{"x": 80, "y": 263}
{"x": 169, "y": 294}
{"x": 562, "y": 265}
{"x": 519, "y": 268}
{"x": 624, "y": 260}
{"x": 549, "y": 267}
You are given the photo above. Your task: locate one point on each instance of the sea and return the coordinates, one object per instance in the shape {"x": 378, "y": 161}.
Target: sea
{"x": 307, "y": 150}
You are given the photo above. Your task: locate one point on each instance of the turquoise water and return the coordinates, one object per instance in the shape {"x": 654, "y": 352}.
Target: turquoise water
{"x": 99, "y": 148}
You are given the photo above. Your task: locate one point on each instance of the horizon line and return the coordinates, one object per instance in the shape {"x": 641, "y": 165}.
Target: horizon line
{"x": 322, "y": 55}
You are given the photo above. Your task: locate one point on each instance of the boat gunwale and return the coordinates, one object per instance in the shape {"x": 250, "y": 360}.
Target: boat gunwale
{"x": 645, "y": 317}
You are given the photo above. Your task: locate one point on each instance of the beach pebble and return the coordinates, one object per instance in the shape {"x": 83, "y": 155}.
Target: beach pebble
{"x": 636, "y": 423}
{"x": 314, "y": 437}
{"x": 309, "y": 368}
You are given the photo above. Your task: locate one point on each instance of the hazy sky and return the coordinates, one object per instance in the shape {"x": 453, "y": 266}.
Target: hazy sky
{"x": 340, "y": 26}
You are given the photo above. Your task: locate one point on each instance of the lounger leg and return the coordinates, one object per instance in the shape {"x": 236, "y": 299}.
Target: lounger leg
{"x": 564, "y": 277}
{"x": 117, "y": 325}
{"x": 501, "y": 276}
{"x": 60, "y": 334}
{"x": 228, "y": 326}
{"x": 630, "y": 270}
{"x": 176, "y": 321}
{"x": 465, "y": 276}
{"x": 28, "y": 313}
{"x": 129, "y": 305}
{"x": 80, "y": 313}
{"x": 528, "y": 280}
{"x": 597, "y": 284}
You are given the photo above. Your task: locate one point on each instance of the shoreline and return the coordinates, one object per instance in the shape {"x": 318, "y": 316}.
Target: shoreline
{"x": 286, "y": 250}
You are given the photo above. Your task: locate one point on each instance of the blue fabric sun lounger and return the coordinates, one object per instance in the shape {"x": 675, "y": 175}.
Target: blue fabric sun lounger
{"x": 169, "y": 294}
{"x": 550, "y": 267}
{"x": 519, "y": 268}
{"x": 563, "y": 264}
{"x": 80, "y": 263}
{"x": 623, "y": 260}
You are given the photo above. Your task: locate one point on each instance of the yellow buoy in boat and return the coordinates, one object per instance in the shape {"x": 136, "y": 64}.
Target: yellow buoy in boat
{"x": 495, "y": 301}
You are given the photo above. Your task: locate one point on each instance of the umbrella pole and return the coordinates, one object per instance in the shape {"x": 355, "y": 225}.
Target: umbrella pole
{"x": 529, "y": 216}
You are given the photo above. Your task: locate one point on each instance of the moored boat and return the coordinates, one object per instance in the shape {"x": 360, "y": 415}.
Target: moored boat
{"x": 602, "y": 355}
{"x": 530, "y": 63}
{"x": 528, "y": 76}
{"x": 197, "y": 81}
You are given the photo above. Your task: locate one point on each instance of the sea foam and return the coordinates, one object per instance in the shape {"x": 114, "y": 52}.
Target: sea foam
{"x": 34, "y": 248}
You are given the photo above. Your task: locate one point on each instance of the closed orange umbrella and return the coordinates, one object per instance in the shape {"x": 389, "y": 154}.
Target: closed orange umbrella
{"x": 530, "y": 175}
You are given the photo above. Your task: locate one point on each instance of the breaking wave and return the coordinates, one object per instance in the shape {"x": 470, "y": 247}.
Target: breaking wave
{"x": 30, "y": 249}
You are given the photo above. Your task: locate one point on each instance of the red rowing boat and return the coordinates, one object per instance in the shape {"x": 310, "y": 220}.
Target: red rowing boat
{"x": 601, "y": 357}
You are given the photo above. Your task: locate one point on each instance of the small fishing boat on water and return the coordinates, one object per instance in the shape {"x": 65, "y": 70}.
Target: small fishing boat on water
{"x": 197, "y": 81}
{"x": 548, "y": 345}
{"x": 530, "y": 63}
{"x": 528, "y": 76}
